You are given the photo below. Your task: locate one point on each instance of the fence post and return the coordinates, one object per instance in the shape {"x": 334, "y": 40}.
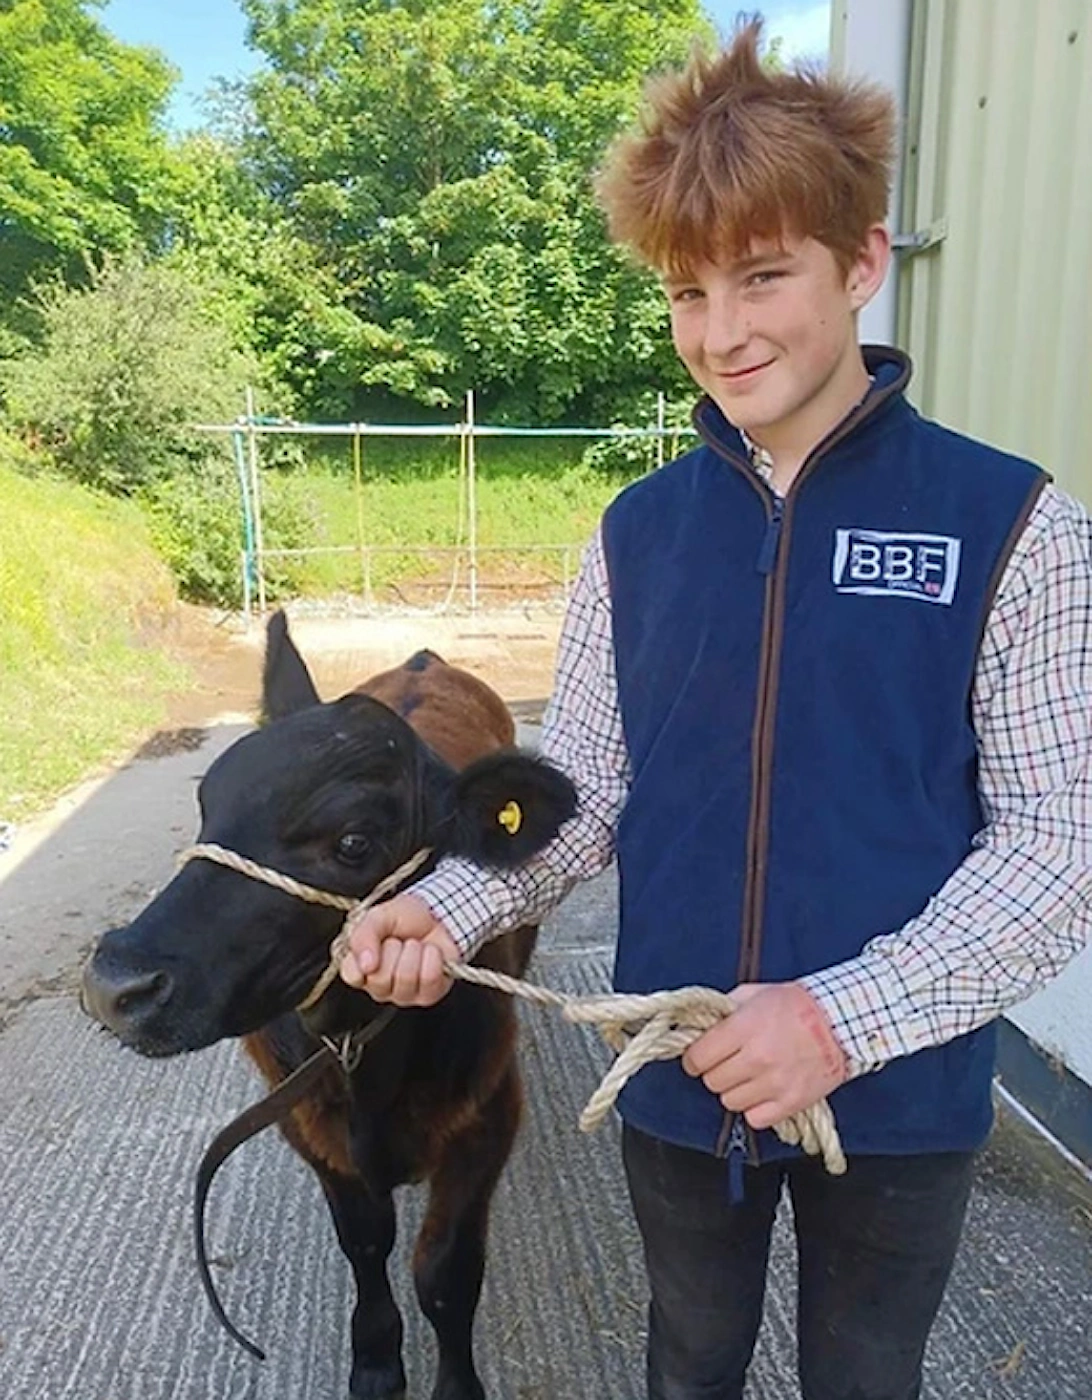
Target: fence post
{"x": 248, "y": 519}
{"x": 471, "y": 503}
{"x": 366, "y": 565}
{"x": 245, "y": 561}
{"x": 362, "y": 549}
{"x": 255, "y": 497}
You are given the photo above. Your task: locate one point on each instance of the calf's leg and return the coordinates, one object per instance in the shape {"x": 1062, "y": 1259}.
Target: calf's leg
{"x": 449, "y": 1259}
{"x": 365, "y": 1229}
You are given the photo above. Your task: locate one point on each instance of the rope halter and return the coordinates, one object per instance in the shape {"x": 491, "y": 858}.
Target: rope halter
{"x": 311, "y": 895}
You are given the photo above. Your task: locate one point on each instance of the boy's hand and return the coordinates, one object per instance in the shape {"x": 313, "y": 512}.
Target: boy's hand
{"x": 397, "y": 952}
{"x": 771, "y": 1058}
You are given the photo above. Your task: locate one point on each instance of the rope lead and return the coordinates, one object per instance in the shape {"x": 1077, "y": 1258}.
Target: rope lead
{"x": 640, "y": 1029}
{"x": 657, "y": 1026}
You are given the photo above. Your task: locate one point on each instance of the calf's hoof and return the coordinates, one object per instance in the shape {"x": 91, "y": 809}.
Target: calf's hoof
{"x": 378, "y": 1383}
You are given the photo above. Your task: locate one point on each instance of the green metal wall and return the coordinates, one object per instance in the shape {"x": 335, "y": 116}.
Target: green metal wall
{"x": 997, "y": 312}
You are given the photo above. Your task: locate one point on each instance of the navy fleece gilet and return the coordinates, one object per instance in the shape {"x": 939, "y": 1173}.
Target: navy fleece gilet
{"x": 795, "y": 696}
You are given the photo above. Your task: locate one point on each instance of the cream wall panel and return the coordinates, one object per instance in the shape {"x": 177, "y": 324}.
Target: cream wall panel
{"x": 997, "y": 315}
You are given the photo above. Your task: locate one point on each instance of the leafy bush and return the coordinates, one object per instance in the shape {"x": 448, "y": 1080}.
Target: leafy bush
{"x": 629, "y": 457}
{"x": 196, "y": 523}
{"x": 124, "y": 366}
{"x": 621, "y": 456}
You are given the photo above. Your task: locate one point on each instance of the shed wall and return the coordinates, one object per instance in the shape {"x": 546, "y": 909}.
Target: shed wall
{"x": 997, "y": 313}
{"x": 996, "y": 309}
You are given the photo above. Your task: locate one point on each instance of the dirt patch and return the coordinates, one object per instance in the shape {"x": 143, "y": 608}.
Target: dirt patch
{"x": 225, "y": 672}
{"x": 168, "y": 741}
{"x": 512, "y": 650}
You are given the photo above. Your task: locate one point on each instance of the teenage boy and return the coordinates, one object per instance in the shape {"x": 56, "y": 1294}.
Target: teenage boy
{"x": 826, "y": 688}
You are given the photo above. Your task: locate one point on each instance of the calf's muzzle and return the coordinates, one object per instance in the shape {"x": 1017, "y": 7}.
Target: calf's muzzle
{"x": 123, "y": 999}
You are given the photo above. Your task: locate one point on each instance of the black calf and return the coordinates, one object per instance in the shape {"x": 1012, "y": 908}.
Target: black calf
{"x": 339, "y": 795}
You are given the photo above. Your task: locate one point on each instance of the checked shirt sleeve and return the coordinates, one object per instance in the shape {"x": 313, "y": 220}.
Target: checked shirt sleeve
{"x": 1019, "y": 907}
{"x": 582, "y": 735}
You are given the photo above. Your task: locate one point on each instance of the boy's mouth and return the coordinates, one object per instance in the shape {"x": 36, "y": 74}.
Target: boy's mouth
{"x": 740, "y": 376}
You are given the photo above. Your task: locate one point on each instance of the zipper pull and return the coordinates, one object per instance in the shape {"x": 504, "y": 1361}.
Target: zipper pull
{"x": 737, "y": 1160}
{"x": 767, "y": 555}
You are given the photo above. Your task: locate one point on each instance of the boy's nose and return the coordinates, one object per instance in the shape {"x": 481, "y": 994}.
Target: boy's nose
{"x": 727, "y": 327}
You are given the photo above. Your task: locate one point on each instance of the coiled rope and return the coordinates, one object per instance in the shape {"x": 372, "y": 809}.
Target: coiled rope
{"x": 640, "y": 1029}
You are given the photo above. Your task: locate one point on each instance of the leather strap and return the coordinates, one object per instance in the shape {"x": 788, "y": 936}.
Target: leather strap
{"x": 272, "y": 1109}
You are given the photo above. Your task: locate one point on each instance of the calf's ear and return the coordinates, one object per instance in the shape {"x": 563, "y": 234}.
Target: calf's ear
{"x": 286, "y": 682}
{"x": 508, "y": 805}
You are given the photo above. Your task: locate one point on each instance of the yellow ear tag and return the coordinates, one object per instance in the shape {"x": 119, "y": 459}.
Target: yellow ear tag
{"x": 510, "y": 817}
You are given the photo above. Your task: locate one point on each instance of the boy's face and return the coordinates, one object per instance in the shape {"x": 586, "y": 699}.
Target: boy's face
{"x": 772, "y": 337}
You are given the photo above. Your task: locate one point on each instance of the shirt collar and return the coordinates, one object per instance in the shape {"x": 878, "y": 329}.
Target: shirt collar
{"x": 762, "y": 462}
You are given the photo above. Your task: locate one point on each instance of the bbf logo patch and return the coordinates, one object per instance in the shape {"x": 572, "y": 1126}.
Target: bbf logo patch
{"x": 925, "y": 567}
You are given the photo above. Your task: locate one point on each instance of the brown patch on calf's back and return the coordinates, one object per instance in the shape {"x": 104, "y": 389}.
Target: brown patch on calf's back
{"x": 409, "y": 703}
{"x": 454, "y": 713}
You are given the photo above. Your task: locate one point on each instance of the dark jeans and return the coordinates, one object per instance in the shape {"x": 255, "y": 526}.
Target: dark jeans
{"x": 875, "y": 1248}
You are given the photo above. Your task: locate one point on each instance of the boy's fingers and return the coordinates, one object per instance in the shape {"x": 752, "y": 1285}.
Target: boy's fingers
{"x": 403, "y": 917}
{"x": 713, "y": 1047}
{"x": 405, "y": 982}
{"x": 365, "y": 938}
{"x": 432, "y": 965}
{"x": 381, "y": 981}
{"x": 435, "y": 981}
{"x": 349, "y": 970}
{"x": 397, "y": 952}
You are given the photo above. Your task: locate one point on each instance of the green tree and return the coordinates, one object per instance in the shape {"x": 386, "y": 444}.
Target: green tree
{"x": 438, "y": 161}
{"x": 266, "y": 282}
{"x": 84, "y": 161}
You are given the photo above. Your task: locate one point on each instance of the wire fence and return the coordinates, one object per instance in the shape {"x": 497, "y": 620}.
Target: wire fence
{"x": 445, "y": 577}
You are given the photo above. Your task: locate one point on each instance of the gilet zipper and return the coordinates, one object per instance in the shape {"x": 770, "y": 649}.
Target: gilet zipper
{"x": 736, "y": 1140}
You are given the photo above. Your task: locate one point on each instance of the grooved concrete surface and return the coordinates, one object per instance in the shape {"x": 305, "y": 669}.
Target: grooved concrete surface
{"x": 99, "y": 1298}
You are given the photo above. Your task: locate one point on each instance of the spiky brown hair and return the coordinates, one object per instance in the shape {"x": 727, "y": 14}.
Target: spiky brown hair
{"x": 728, "y": 150}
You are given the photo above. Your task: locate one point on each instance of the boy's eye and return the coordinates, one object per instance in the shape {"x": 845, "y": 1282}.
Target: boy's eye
{"x": 764, "y": 278}
{"x": 685, "y": 293}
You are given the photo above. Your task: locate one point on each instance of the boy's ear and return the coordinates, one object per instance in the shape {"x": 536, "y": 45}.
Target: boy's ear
{"x": 870, "y": 266}
{"x": 508, "y": 805}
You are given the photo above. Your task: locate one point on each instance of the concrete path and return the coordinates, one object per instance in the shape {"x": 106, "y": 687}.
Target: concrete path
{"x": 99, "y": 1298}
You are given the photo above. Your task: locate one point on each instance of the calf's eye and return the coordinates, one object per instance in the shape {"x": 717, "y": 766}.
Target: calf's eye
{"x": 353, "y": 848}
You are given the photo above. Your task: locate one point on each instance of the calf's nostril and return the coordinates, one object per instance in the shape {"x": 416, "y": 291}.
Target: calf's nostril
{"x": 117, "y": 1000}
{"x": 142, "y": 992}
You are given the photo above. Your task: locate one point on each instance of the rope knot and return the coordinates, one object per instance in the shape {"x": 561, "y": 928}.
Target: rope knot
{"x": 657, "y": 1026}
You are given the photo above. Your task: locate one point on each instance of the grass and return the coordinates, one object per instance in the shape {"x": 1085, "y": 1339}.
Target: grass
{"x": 529, "y": 494}
{"x": 79, "y": 586}
{"x": 80, "y": 583}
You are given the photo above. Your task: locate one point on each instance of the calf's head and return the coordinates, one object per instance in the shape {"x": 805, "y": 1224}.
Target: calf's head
{"x": 335, "y": 795}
